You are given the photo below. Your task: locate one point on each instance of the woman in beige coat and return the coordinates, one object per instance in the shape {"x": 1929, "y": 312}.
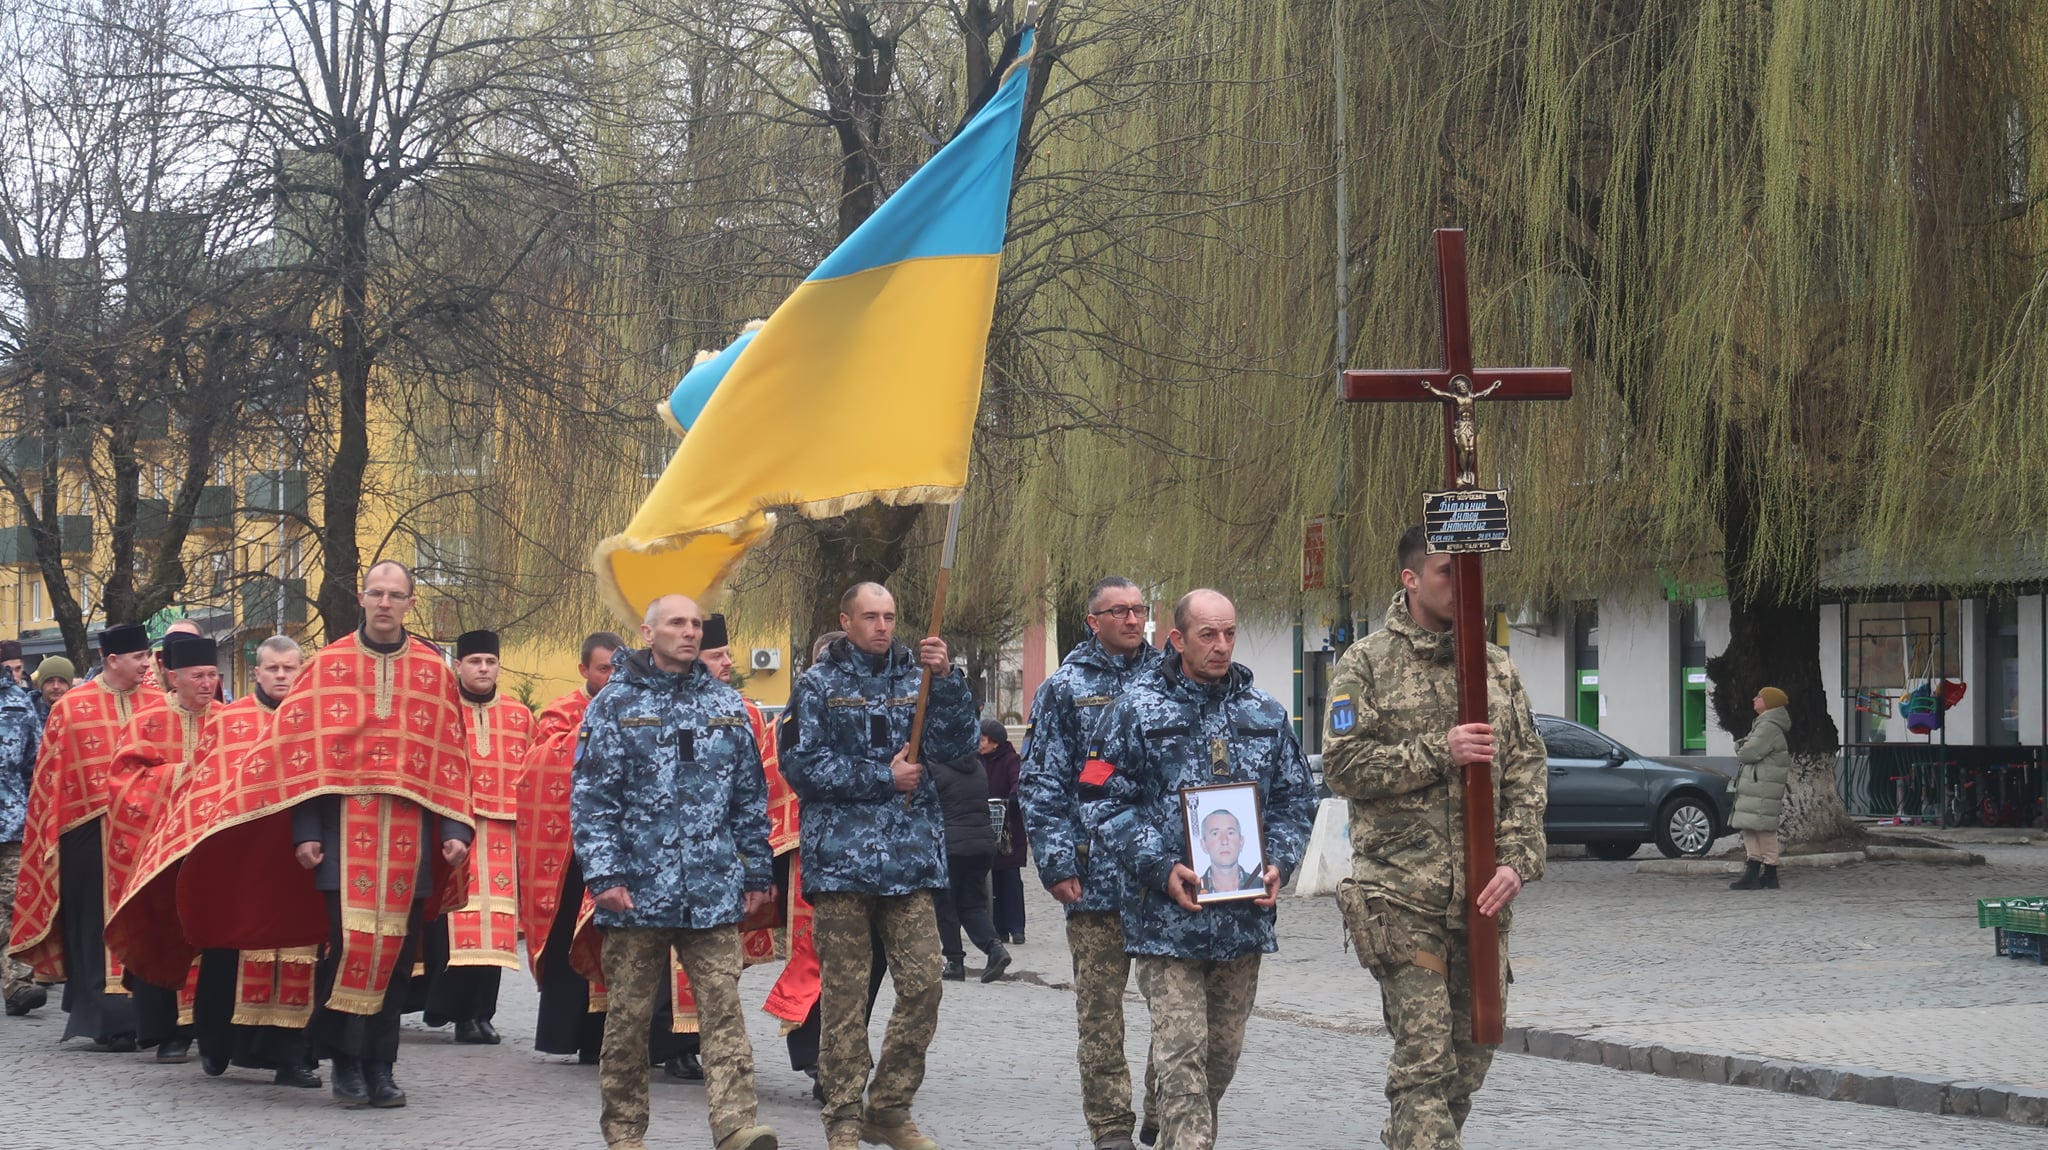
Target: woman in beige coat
{"x": 1764, "y": 768}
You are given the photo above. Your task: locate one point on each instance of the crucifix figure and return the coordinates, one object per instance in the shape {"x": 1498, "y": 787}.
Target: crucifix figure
{"x": 1452, "y": 385}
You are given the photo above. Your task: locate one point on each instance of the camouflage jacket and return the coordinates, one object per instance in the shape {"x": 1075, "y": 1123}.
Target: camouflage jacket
{"x": 1393, "y": 702}
{"x": 853, "y": 713}
{"x": 1167, "y": 732}
{"x": 1063, "y": 718}
{"x": 668, "y": 799}
{"x": 21, "y": 733}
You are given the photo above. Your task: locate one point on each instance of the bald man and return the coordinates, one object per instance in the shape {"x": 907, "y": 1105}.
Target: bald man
{"x": 669, "y": 816}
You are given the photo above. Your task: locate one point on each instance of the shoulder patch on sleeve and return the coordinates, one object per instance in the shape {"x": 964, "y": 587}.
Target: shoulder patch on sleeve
{"x": 1097, "y": 772}
{"x": 1343, "y": 714}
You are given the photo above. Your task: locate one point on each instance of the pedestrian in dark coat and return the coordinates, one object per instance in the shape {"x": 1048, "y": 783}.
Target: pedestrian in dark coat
{"x": 970, "y": 851}
{"x": 1001, "y": 762}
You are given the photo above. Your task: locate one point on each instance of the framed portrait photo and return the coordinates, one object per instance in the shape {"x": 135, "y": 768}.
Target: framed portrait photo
{"x": 1226, "y": 844}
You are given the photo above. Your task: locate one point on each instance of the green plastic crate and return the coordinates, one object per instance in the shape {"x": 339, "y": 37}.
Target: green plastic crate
{"x": 2029, "y": 914}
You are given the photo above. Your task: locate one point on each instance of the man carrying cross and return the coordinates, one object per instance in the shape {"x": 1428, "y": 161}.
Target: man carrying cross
{"x": 1430, "y": 737}
{"x": 1393, "y": 746}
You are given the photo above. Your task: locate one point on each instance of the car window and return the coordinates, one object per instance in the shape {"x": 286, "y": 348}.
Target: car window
{"x": 1568, "y": 742}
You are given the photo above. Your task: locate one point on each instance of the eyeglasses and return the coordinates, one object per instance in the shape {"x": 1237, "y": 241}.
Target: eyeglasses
{"x": 1138, "y": 612}
{"x": 384, "y": 596}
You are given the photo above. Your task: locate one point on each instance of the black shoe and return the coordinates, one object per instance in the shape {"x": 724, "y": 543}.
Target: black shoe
{"x": 684, "y": 1068}
{"x": 384, "y": 1093}
{"x": 468, "y": 1033}
{"x": 26, "y": 999}
{"x": 1149, "y": 1134}
{"x": 297, "y": 1076}
{"x": 956, "y": 970}
{"x": 490, "y": 1033}
{"x": 212, "y": 1066}
{"x": 350, "y": 1089}
{"x": 1770, "y": 879}
{"x": 1017, "y": 939}
{"x": 1748, "y": 881}
{"x": 817, "y": 1087}
{"x": 587, "y": 1057}
{"x": 174, "y": 1050}
{"x": 998, "y": 962}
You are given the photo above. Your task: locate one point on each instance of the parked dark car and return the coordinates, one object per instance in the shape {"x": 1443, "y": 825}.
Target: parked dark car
{"x": 1613, "y": 800}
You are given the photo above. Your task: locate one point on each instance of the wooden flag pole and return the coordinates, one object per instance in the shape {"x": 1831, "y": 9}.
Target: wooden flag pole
{"x": 924, "y": 687}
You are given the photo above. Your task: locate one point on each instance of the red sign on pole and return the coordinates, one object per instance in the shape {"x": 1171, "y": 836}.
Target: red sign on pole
{"x": 1312, "y": 547}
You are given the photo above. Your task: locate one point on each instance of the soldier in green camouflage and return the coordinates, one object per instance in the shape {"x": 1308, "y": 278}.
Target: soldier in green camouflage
{"x": 1393, "y": 747}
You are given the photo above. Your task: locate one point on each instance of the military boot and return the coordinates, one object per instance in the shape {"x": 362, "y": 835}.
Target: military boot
{"x": 894, "y": 1129}
{"x": 1770, "y": 879}
{"x": 1748, "y": 881}
{"x": 843, "y": 1136}
{"x": 751, "y": 1138}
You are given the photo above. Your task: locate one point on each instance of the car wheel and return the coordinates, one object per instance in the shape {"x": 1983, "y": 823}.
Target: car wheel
{"x": 1685, "y": 827}
{"x": 1613, "y": 851}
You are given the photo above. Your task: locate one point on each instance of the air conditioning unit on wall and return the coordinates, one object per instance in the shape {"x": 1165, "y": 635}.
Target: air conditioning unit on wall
{"x": 766, "y": 659}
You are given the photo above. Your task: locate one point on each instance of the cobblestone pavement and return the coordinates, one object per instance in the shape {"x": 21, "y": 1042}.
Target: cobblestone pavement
{"x": 1002, "y": 1076}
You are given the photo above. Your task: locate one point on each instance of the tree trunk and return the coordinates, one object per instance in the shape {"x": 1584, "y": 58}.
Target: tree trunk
{"x": 865, "y": 546}
{"x": 340, "y": 555}
{"x": 1774, "y": 641}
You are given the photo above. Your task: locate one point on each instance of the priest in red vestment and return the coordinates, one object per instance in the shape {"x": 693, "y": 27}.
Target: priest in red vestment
{"x": 250, "y": 1008}
{"x": 363, "y": 778}
{"x": 147, "y": 770}
{"x": 469, "y": 951}
{"x": 61, "y": 900}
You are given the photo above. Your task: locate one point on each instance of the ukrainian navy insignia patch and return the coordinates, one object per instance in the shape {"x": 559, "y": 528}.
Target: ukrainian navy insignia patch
{"x": 1343, "y": 715}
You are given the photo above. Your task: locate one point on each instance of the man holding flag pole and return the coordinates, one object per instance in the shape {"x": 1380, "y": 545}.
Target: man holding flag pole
{"x": 872, "y": 371}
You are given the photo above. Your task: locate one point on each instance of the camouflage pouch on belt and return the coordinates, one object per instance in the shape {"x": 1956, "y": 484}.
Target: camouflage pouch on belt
{"x": 1383, "y": 946}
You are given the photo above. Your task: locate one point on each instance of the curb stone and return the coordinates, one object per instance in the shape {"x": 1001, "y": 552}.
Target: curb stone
{"x": 1926, "y": 1094}
{"x": 1940, "y": 856}
{"x": 1734, "y": 866}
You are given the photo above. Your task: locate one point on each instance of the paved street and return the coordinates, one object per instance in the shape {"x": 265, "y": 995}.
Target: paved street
{"x": 1815, "y": 975}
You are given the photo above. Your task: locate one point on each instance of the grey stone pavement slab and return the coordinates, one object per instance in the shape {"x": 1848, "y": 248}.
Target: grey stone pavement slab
{"x": 1001, "y": 1076}
{"x": 1878, "y": 967}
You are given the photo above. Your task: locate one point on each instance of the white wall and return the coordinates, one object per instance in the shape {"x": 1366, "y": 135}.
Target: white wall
{"x": 1714, "y": 615}
{"x": 1639, "y": 668}
{"x": 1544, "y": 661}
{"x": 1834, "y": 619}
{"x": 1266, "y": 645}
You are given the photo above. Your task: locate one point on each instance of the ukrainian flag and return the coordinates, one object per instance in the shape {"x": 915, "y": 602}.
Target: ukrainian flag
{"x": 862, "y": 386}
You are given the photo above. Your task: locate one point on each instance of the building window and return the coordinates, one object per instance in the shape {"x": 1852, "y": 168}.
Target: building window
{"x": 444, "y": 558}
{"x": 35, "y": 600}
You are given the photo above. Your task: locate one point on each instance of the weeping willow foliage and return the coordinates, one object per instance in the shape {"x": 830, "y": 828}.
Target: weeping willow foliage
{"x": 1793, "y": 250}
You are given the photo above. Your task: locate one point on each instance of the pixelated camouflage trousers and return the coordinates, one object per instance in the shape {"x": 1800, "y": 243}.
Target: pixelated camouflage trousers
{"x": 13, "y": 975}
{"x": 635, "y": 968}
{"x": 1199, "y": 1010}
{"x": 842, "y": 931}
{"x": 1101, "y": 971}
{"x": 1436, "y": 1067}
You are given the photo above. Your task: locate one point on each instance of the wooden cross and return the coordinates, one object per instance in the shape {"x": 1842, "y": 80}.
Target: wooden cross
{"x": 1459, "y": 386}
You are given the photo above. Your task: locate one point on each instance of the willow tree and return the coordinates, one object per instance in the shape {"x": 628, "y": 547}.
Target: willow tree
{"x": 1790, "y": 247}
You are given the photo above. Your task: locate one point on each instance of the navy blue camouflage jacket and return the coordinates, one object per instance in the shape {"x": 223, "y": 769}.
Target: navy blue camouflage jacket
{"x": 1163, "y": 734}
{"x": 1063, "y": 718}
{"x": 21, "y": 734}
{"x": 668, "y": 799}
{"x": 853, "y": 713}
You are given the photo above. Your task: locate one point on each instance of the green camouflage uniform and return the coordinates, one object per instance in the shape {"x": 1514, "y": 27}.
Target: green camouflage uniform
{"x": 1393, "y": 701}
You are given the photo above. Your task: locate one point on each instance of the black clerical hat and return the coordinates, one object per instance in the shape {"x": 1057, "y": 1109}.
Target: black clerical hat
{"x": 182, "y": 650}
{"x": 714, "y": 634}
{"x": 124, "y": 640}
{"x": 476, "y": 643}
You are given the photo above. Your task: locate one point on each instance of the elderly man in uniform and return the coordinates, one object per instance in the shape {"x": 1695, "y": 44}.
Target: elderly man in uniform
{"x": 1394, "y": 747}
{"x": 873, "y": 851}
{"x": 1197, "y": 721}
{"x": 670, "y": 819}
{"x": 1075, "y": 868}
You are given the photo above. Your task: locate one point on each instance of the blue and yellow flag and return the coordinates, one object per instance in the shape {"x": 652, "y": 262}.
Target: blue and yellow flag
{"x": 862, "y": 386}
